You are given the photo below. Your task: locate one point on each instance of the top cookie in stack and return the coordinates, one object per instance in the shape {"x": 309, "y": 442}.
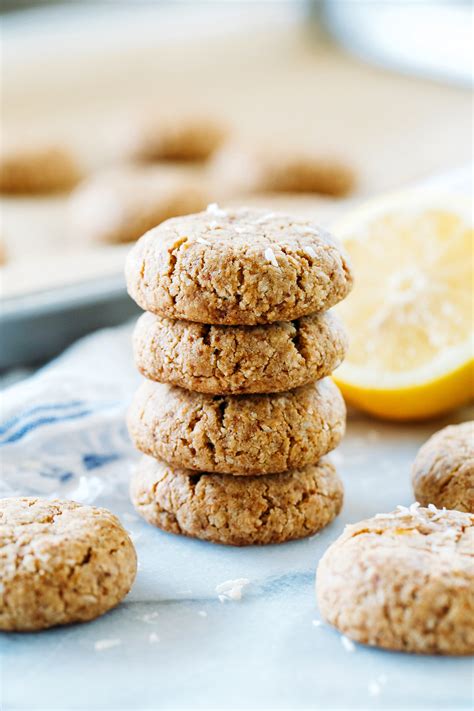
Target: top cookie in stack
{"x": 237, "y": 267}
{"x": 236, "y": 334}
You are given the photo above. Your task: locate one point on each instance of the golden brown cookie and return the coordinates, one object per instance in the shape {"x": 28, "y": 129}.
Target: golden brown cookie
{"x": 37, "y": 169}
{"x": 237, "y": 434}
{"x": 443, "y": 471}
{"x": 236, "y": 511}
{"x": 177, "y": 138}
{"x": 237, "y": 266}
{"x": 120, "y": 205}
{"x": 238, "y": 170}
{"x": 239, "y": 359}
{"x": 403, "y": 580}
{"x": 60, "y": 562}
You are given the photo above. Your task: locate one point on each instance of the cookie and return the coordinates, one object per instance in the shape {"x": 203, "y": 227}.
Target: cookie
{"x": 237, "y": 267}
{"x": 177, "y": 138}
{"x": 37, "y": 169}
{"x": 237, "y": 434}
{"x": 237, "y": 170}
{"x": 120, "y": 205}
{"x": 60, "y": 562}
{"x": 443, "y": 471}
{"x": 239, "y": 359}
{"x": 235, "y": 511}
{"x": 403, "y": 581}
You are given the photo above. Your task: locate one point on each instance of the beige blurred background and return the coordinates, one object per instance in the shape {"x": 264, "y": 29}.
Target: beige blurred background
{"x": 307, "y": 76}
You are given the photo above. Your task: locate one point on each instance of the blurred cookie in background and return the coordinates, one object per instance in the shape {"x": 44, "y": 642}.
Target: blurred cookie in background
{"x": 239, "y": 169}
{"x": 121, "y": 204}
{"x": 443, "y": 471}
{"x": 36, "y": 168}
{"x": 177, "y": 137}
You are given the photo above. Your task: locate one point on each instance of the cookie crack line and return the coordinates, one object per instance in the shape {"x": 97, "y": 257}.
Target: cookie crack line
{"x": 410, "y": 592}
{"x": 225, "y": 281}
{"x": 224, "y": 509}
{"x": 63, "y": 562}
{"x": 250, "y": 434}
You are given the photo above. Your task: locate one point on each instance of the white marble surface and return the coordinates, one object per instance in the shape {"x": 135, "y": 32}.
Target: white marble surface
{"x": 174, "y": 645}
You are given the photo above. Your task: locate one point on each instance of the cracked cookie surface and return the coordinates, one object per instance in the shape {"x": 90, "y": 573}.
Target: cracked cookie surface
{"x": 238, "y": 434}
{"x": 403, "y": 581}
{"x": 237, "y": 267}
{"x": 60, "y": 562}
{"x": 235, "y": 511}
{"x": 443, "y": 471}
{"x": 239, "y": 359}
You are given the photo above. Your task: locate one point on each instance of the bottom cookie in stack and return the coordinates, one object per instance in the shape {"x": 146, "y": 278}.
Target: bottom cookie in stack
{"x": 239, "y": 511}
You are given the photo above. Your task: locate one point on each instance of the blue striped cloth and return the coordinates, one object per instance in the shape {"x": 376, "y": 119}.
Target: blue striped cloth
{"x": 62, "y": 430}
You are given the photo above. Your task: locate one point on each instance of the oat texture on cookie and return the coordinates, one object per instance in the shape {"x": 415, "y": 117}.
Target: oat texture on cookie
{"x": 60, "y": 562}
{"x": 238, "y": 411}
{"x": 443, "y": 471}
{"x": 237, "y": 267}
{"x": 403, "y": 580}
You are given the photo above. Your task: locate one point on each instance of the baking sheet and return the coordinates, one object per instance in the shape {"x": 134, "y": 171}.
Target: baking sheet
{"x": 266, "y": 73}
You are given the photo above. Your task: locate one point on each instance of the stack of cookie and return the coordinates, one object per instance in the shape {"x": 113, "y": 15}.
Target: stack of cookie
{"x": 237, "y": 412}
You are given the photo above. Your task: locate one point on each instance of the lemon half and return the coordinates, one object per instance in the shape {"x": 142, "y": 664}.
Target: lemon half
{"x": 410, "y": 315}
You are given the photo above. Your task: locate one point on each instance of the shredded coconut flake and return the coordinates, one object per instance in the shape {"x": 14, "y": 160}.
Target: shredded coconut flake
{"x": 310, "y": 252}
{"x": 201, "y": 240}
{"x": 374, "y": 688}
{"x": 266, "y": 428}
{"x": 317, "y": 623}
{"x": 231, "y": 589}
{"x": 348, "y": 644}
{"x": 270, "y": 256}
{"x": 150, "y": 618}
{"x": 305, "y": 230}
{"x": 214, "y": 209}
{"x": 403, "y": 510}
{"x": 265, "y": 218}
{"x": 102, "y": 644}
